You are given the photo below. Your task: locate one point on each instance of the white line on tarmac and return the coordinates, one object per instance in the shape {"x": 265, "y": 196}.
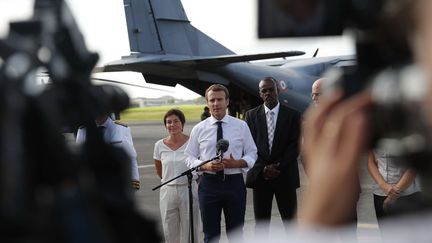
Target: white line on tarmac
{"x": 145, "y": 166}
{"x": 367, "y": 226}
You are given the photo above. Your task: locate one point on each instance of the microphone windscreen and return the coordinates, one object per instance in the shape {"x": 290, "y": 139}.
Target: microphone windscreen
{"x": 222, "y": 145}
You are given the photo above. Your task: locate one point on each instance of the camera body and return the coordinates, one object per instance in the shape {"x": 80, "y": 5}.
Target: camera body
{"x": 382, "y": 30}
{"x": 52, "y": 191}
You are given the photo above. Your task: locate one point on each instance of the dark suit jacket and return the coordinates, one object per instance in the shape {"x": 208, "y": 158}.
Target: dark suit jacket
{"x": 285, "y": 148}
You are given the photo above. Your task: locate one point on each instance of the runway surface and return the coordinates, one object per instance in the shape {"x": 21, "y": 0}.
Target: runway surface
{"x": 145, "y": 134}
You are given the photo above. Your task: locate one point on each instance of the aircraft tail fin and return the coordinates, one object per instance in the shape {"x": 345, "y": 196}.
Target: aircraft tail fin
{"x": 171, "y": 31}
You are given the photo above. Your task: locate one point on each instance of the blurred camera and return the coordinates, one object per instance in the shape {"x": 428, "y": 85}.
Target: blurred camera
{"x": 382, "y": 30}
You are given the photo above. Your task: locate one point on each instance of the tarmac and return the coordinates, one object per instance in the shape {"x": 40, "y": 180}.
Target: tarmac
{"x": 145, "y": 134}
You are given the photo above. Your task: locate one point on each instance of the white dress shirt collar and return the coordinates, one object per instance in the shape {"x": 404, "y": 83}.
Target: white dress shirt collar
{"x": 225, "y": 119}
{"x": 275, "y": 110}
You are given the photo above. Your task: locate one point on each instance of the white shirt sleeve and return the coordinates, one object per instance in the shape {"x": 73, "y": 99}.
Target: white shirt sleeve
{"x": 192, "y": 150}
{"x": 249, "y": 148}
{"x": 130, "y": 150}
{"x": 156, "y": 151}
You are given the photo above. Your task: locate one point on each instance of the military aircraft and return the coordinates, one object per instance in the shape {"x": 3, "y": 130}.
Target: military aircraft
{"x": 168, "y": 50}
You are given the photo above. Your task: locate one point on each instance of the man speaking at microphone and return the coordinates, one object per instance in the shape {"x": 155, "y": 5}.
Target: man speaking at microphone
{"x": 222, "y": 186}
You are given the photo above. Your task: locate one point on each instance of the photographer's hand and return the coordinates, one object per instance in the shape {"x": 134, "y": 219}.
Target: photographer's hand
{"x": 334, "y": 138}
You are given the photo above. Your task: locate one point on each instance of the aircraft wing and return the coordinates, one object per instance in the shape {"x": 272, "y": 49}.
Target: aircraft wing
{"x": 184, "y": 61}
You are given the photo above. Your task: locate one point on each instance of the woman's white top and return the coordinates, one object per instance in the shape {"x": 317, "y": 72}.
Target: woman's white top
{"x": 173, "y": 162}
{"x": 392, "y": 173}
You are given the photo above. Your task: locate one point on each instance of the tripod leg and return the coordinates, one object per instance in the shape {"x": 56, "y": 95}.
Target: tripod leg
{"x": 191, "y": 224}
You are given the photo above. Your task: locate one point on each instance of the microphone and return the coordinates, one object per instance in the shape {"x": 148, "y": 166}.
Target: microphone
{"x": 222, "y": 146}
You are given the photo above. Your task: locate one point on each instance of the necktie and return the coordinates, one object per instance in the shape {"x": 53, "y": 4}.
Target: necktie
{"x": 219, "y": 136}
{"x": 270, "y": 128}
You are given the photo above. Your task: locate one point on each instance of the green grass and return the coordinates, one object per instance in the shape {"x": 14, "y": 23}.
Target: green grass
{"x": 156, "y": 113}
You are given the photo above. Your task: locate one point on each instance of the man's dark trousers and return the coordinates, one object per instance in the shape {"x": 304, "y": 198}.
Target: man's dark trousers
{"x": 216, "y": 195}
{"x": 286, "y": 199}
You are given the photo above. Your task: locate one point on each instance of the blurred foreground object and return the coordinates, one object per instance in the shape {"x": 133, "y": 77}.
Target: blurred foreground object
{"x": 51, "y": 192}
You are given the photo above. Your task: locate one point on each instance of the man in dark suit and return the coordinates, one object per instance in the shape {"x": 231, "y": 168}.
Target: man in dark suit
{"x": 275, "y": 129}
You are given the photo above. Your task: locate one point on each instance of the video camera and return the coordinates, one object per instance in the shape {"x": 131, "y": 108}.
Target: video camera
{"x": 50, "y": 191}
{"x": 382, "y": 30}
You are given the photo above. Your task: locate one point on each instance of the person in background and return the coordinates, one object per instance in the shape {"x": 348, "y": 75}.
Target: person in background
{"x": 222, "y": 185}
{"x": 174, "y": 197}
{"x": 118, "y": 134}
{"x": 206, "y": 113}
{"x": 315, "y": 96}
{"x": 395, "y": 188}
{"x": 316, "y": 90}
{"x": 276, "y": 130}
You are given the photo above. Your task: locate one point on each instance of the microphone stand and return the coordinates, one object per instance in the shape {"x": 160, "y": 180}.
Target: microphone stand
{"x": 188, "y": 173}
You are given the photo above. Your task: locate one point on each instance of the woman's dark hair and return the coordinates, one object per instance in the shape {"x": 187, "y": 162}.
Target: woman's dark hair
{"x": 177, "y": 113}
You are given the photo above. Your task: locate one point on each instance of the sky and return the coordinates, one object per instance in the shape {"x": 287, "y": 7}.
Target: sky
{"x": 233, "y": 23}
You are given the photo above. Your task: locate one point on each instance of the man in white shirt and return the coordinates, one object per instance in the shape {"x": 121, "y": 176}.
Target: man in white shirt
{"x": 119, "y": 135}
{"x": 222, "y": 186}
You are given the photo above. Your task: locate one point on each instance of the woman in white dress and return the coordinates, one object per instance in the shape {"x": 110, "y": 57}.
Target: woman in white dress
{"x": 174, "y": 197}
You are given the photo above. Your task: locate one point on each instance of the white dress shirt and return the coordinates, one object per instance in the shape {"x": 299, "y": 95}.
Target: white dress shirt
{"x": 120, "y": 136}
{"x": 392, "y": 173}
{"x": 275, "y": 112}
{"x": 202, "y": 143}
